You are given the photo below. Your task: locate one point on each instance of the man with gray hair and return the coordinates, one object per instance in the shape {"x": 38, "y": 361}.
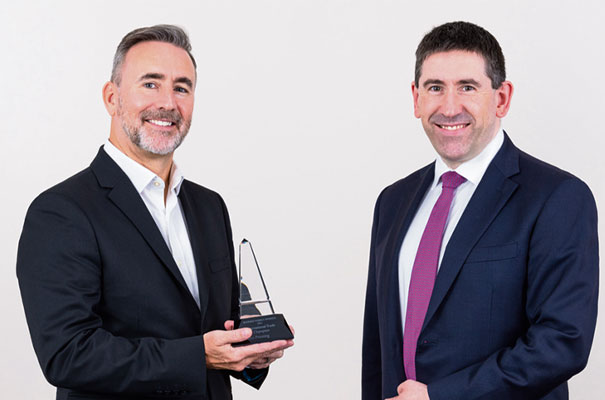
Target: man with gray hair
{"x": 127, "y": 269}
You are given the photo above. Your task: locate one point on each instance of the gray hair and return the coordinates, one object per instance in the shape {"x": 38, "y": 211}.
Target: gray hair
{"x": 158, "y": 33}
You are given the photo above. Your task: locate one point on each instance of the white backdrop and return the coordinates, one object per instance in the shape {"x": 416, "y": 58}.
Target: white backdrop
{"x": 303, "y": 113}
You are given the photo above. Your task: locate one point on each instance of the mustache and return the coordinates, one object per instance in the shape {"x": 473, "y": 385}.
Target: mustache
{"x": 170, "y": 115}
{"x": 462, "y": 118}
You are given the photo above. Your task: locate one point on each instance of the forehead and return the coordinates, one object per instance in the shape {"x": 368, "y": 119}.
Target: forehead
{"x": 453, "y": 66}
{"x": 157, "y": 57}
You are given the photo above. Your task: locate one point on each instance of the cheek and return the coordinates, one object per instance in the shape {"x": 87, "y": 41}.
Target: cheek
{"x": 131, "y": 106}
{"x": 139, "y": 100}
{"x": 426, "y": 107}
{"x": 186, "y": 108}
{"x": 141, "y": 103}
{"x": 481, "y": 108}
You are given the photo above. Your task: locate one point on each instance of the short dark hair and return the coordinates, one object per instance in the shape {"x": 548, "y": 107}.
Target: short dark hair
{"x": 158, "y": 33}
{"x": 463, "y": 36}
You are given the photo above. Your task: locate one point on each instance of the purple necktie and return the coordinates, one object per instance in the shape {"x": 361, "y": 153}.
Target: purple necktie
{"x": 425, "y": 270}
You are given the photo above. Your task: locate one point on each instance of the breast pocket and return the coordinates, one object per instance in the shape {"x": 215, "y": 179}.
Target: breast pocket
{"x": 493, "y": 253}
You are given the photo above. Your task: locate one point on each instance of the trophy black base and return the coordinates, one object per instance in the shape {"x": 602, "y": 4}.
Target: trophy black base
{"x": 265, "y": 328}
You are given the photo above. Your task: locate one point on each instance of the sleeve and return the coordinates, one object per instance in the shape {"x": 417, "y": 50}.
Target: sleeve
{"x": 371, "y": 364}
{"x": 253, "y": 377}
{"x": 561, "y": 307}
{"x": 60, "y": 276}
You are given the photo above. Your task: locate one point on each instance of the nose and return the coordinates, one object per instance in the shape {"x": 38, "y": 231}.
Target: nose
{"x": 451, "y": 104}
{"x": 166, "y": 99}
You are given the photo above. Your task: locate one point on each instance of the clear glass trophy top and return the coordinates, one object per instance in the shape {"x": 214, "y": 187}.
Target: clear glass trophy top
{"x": 253, "y": 295}
{"x": 255, "y": 308}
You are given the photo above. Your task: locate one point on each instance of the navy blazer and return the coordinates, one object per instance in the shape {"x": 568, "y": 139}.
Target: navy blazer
{"x": 109, "y": 313}
{"x": 513, "y": 311}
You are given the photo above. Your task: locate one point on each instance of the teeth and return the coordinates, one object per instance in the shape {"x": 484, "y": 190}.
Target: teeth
{"x": 452, "y": 127}
{"x": 160, "y": 123}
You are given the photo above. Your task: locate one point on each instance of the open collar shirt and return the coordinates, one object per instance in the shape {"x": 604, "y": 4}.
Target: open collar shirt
{"x": 168, "y": 215}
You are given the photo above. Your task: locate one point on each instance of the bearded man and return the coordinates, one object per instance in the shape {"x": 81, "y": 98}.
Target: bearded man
{"x": 126, "y": 269}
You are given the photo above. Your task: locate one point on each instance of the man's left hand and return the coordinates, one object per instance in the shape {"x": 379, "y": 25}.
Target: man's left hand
{"x": 411, "y": 390}
{"x": 267, "y": 358}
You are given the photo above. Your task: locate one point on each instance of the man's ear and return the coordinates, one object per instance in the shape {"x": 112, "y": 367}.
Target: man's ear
{"x": 415, "y": 96}
{"x": 505, "y": 94}
{"x": 110, "y": 98}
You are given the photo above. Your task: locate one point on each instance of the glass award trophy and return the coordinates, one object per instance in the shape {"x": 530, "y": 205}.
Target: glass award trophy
{"x": 255, "y": 308}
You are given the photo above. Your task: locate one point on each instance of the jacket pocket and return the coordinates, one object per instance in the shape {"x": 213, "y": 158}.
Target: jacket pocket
{"x": 493, "y": 253}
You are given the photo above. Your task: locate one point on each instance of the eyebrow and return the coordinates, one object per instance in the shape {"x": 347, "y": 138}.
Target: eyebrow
{"x": 152, "y": 75}
{"x": 430, "y": 82}
{"x": 469, "y": 82}
{"x": 158, "y": 76}
{"x": 184, "y": 80}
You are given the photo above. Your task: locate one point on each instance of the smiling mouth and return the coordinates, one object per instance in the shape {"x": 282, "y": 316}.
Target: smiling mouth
{"x": 159, "y": 122}
{"x": 453, "y": 127}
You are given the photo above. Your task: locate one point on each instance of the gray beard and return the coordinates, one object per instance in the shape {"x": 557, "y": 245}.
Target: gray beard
{"x": 145, "y": 139}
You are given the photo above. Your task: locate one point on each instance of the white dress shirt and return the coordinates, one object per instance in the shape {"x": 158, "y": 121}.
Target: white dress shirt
{"x": 473, "y": 171}
{"x": 168, "y": 216}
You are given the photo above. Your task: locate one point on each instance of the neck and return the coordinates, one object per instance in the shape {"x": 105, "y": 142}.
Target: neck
{"x": 158, "y": 164}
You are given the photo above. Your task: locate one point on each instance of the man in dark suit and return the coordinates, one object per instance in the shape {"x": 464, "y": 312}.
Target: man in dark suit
{"x": 483, "y": 274}
{"x": 126, "y": 269}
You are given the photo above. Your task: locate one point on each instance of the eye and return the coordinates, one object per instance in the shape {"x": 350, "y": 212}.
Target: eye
{"x": 149, "y": 85}
{"x": 467, "y": 88}
{"x": 181, "y": 89}
{"x": 434, "y": 88}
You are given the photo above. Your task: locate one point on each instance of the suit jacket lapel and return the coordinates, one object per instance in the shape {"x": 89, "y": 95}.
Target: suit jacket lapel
{"x": 491, "y": 195}
{"x": 125, "y": 197}
{"x": 196, "y": 237}
{"x": 407, "y": 211}
{"x": 390, "y": 279}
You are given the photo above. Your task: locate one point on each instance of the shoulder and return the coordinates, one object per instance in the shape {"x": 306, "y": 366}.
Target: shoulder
{"x": 78, "y": 189}
{"x": 59, "y": 216}
{"x": 544, "y": 179}
{"x": 200, "y": 192}
{"x": 198, "y": 189}
{"x": 407, "y": 186}
{"x": 202, "y": 200}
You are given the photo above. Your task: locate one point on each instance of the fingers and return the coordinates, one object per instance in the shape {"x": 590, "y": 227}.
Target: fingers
{"x": 267, "y": 359}
{"x": 220, "y": 354}
{"x": 264, "y": 362}
{"x": 263, "y": 350}
{"x": 261, "y": 355}
{"x": 260, "y": 364}
{"x": 232, "y": 336}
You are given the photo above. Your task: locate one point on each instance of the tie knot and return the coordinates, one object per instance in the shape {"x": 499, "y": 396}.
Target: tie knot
{"x": 452, "y": 180}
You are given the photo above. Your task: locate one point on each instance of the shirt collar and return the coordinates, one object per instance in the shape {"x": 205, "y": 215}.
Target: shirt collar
{"x": 474, "y": 168}
{"x": 176, "y": 179}
{"x": 140, "y": 176}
